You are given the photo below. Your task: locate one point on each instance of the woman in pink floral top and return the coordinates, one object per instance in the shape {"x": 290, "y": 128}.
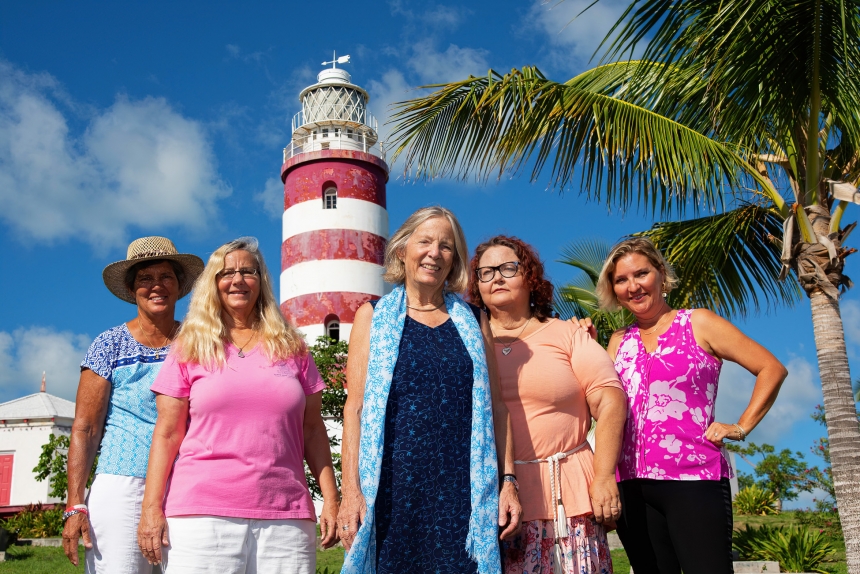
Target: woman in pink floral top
{"x": 674, "y": 477}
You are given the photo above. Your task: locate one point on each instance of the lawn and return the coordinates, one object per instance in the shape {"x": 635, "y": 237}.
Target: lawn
{"x": 51, "y": 560}
{"x": 40, "y": 560}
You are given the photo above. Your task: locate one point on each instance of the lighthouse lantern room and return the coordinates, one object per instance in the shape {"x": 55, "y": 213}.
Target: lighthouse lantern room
{"x": 335, "y": 222}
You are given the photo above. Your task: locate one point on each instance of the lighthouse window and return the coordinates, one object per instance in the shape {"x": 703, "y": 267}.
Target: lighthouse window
{"x": 315, "y": 134}
{"x": 330, "y": 198}
{"x": 325, "y": 132}
{"x": 332, "y": 330}
{"x": 349, "y": 133}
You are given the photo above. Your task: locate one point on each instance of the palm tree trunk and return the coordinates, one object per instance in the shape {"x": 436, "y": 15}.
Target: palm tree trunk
{"x": 841, "y": 415}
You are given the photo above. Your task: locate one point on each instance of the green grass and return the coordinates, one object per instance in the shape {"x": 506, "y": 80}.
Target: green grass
{"x": 39, "y": 560}
{"x": 620, "y": 563}
{"x": 51, "y": 560}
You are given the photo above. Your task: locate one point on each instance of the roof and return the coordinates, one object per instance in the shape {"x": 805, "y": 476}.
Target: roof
{"x": 37, "y": 406}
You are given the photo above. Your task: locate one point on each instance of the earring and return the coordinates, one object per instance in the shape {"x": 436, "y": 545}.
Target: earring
{"x": 665, "y": 294}
{"x": 532, "y": 299}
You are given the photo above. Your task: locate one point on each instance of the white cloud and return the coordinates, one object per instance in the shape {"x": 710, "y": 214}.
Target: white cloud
{"x": 26, "y": 353}
{"x": 455, "y": 63}
{"x": 139, "y": 163}
{"x": 272, "y": 197}
{"x": 573, "y": 38}
{"x": 798, "y": 396}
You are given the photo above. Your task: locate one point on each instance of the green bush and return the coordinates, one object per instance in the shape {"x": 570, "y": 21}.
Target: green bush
{"x": 754, "y": 500}
{"x": 36, "y": 522}
{"x": 827, "y": 522}
{"x": 797, "y": 549}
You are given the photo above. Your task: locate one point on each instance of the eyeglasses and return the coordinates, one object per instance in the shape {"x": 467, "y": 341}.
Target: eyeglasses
{"x": 508, "y": 270}
{"x": 245, "y": 272}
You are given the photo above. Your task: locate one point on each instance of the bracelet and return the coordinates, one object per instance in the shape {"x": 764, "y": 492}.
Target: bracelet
{"x": 742, "y": 432}
{"x": 512, "y": 479}
{"x": 75, "y": 510}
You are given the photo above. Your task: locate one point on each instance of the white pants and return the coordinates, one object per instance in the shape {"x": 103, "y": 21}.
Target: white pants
{"x": 114, "y": 503}
{"x": 222, "y": 545}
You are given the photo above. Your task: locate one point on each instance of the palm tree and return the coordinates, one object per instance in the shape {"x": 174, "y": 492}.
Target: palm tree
{"x": 742, "y": 114}
{"x": 579, "y": 298}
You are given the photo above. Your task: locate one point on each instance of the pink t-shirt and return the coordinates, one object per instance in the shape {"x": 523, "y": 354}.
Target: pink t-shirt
{"x": 243, "y": 453}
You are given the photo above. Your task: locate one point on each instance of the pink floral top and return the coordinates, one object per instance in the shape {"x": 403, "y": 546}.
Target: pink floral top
{"x": 670, "y": 396}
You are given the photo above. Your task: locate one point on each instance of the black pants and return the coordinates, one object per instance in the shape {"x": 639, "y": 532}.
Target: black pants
{"x": 669, "y": 526}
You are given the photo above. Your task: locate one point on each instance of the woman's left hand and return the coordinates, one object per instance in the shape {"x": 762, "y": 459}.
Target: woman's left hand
{"x": 718, "y": 432}
{"x": 510, "y": 511}
{"x": 605, "y": 501}
{"x": 328, "y": 523}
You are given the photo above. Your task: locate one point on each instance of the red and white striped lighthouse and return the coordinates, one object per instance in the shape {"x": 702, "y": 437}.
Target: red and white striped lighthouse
{"x": 335, "y": 221}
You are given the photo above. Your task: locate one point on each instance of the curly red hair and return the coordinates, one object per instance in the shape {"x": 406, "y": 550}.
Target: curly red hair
{"x": 530, "y": 266}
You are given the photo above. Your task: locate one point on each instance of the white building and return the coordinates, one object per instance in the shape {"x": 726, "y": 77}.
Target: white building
{"x": 25, "y": 425}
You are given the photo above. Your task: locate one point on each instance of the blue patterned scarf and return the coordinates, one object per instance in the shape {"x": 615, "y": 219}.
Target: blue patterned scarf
{"x": 385, "y": 333}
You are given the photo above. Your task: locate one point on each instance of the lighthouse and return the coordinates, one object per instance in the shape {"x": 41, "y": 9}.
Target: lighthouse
{"x": 335, "y": 222}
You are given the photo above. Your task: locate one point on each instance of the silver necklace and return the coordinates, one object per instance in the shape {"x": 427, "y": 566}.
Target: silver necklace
{"x": 240, "y": 354}
{"x": 506, "y": 349}
{"x": 148, "y": 340}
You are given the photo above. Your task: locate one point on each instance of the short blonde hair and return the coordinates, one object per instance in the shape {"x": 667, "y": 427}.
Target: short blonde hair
{"x": 642, "y": 246}
{"x": 201, "y": 338}
{"x": 395, "y": 270}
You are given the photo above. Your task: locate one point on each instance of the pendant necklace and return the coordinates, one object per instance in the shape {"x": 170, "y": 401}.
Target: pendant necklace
{"x": 148, "y": 340}
{"x": 241, "y": 354}
{"x": 506, "y": 349}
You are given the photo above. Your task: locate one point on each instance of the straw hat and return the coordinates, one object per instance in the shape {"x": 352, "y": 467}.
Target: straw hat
{"x": 148, "y": 249}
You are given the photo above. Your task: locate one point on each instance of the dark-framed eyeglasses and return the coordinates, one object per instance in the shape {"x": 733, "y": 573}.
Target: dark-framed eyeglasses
{"x": 245, "y": 272}
{"x": 508, "y": 270}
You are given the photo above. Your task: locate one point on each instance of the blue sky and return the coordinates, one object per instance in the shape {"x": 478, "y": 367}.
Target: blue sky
{"x": 121, "y": 119}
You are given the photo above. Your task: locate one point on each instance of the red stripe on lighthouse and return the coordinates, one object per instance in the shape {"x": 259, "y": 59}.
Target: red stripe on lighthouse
{"x": 314, "y": 308}
{"x": 353, "y": 180}
{"x": 346, "y": 244}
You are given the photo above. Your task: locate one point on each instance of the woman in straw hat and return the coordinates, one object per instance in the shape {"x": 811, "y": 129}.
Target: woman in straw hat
{"x": 239, "y": 402}
{"x": 115, "y": 410}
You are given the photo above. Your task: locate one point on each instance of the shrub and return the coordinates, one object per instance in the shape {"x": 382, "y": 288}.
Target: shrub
{"x": 755, "y": 500}
{"x": 797, "y": 549}
{"x": 36, "y": 522}
{"x": 826, "y": 522}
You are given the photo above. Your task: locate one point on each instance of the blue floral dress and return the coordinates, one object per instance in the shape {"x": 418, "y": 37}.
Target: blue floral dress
{"x": 423, "y": 505}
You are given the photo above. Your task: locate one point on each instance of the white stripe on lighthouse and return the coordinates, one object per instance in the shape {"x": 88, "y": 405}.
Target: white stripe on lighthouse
{"x": 327, "y": 275}
{"x": 350, "y": 213}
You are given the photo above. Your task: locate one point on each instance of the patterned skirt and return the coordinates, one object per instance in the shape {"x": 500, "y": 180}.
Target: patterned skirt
{"x": 586, "y": 550}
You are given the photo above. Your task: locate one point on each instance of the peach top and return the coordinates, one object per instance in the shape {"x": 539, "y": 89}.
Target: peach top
{"x": 545, "y": 380}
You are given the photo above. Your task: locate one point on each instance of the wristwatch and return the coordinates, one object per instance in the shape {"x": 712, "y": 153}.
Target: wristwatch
{"x": 512, "y": 479}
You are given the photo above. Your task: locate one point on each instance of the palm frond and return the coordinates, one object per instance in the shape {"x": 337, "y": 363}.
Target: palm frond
{"x": 755, "y": 57}
{"x": 587, "y": 255}
{"x": 729, "y": 262}
{"x": 625, "y": 152}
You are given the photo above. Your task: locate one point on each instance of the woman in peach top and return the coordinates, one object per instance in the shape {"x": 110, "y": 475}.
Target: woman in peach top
{"x": 554, "y": 380}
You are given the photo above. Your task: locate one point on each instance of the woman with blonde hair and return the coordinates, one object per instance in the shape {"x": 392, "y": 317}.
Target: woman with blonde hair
{"x": 239, "y": 401}
{"x": 672, "y": 459}
{"x": 424, "y": 419}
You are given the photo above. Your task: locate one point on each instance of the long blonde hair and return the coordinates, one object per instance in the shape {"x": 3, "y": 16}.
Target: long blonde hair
{"x": 201, "y": 338}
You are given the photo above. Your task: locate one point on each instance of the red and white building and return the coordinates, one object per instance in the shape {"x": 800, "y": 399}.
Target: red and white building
{"x": 335, "y": 223}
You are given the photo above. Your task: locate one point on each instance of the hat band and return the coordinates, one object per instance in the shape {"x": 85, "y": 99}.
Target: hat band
{"x": 150, "y": 254}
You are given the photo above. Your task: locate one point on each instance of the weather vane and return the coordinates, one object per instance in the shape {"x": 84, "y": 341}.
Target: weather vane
{"x": 335, "y": 60}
